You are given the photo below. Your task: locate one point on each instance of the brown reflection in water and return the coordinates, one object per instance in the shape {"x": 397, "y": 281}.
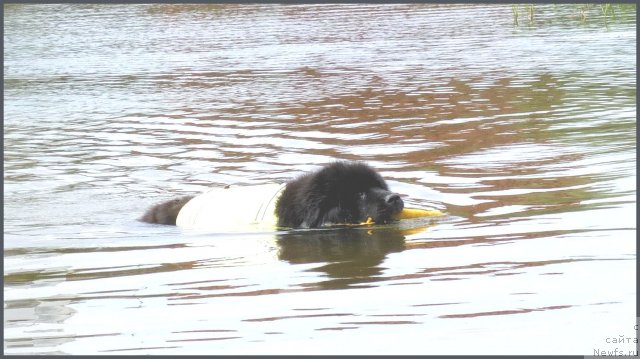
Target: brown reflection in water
{"x": 411, "y": 113}
{"x": 51, "y": 341}
{"x": 53, "y": 250}
{"x": 338, "y": 328}
{"x": 448, "y": 116}
{"x": 63, "y": 274}
{"x": 205, "y": 331}
{"x": 271, "y": 319}
{"x": 384, "y": 322}
{"x": 138, "y": 349}
{"x": 251, "y": 293}
{"x": 461, "y": 272}
{"x": 435, "y": 304}
{"x": 505, "y": 312}
{"x": 489, "y": 239}
{"x": 201, "y": 339}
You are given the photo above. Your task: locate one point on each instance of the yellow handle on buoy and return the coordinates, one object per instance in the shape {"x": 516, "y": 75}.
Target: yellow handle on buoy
{"x": 409, "y": 213}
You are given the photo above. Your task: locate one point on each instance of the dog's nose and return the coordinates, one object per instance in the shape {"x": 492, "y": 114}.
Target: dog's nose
{"x": 394, "y": 200}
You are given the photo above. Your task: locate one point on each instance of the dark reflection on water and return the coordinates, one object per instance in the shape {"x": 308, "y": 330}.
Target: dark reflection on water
{"x": 524, "y": 135}
{"x": 350, "y": 256}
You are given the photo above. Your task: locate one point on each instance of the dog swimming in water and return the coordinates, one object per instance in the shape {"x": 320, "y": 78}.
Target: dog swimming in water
{"x": 338, "y": 193}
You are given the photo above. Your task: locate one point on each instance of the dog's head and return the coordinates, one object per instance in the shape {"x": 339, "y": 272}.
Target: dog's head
{"x": 350, "y": 193}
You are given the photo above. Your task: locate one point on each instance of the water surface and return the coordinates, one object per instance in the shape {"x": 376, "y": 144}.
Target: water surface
{"x": 524, "y": 135}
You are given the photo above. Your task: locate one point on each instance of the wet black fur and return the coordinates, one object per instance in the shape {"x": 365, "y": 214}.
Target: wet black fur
{"x": 339, "y": 193}
{"x": 166, "y": 212}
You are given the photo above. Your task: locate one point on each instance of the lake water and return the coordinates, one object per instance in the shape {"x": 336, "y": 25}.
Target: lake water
{"x": 524, "y": 135}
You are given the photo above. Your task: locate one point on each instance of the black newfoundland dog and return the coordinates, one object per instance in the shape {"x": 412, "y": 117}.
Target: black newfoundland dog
{"x": 338, "y": 193}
